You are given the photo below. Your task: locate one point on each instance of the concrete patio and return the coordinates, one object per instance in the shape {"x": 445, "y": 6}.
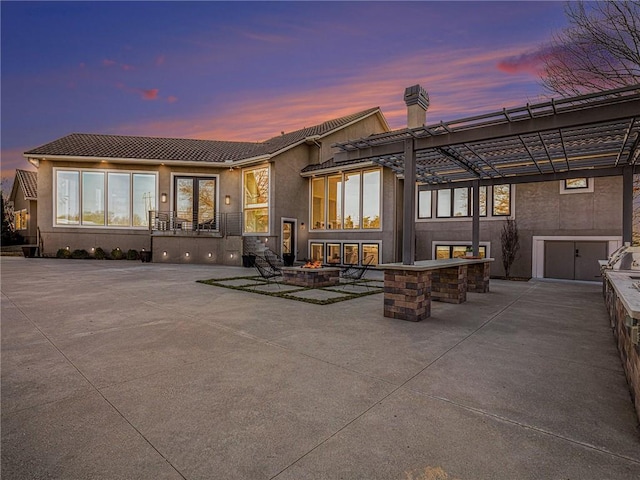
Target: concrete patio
{"x": 124, "y": 370}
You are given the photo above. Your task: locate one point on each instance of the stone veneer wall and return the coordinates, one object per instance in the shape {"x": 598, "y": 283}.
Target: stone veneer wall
{"x": 478, "y": 276}
{"x": 449, "y": 284}
{"x": 406, "y": 294}
{"x": 629, "y": 353}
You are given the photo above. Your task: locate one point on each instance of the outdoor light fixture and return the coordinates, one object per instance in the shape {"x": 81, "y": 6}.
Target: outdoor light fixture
{"x": 227, "y": 199}
{"x": 209, "y": 255}
{"x": 186, "y": 254}
{"x": 68, "y": 247}
{"x": 163, "y": 198}
{"x": 302, "y": 226}
{"x": 93, "y": 249}
{"x": 164, "y": 254}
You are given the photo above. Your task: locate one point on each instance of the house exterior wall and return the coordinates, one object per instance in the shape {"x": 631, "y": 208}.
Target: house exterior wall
{"x": 30, "y": 233}
{"x": 540, "y": 210}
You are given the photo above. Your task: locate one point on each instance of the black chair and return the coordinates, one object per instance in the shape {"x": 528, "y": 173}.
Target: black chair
{"x": 352, "y": 274}
{"x": 266, "y": 271}
{"x": 273, "y": 260}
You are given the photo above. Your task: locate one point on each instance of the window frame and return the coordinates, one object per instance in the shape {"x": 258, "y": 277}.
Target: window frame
{"x": 258, "y": 206}
{"x": 79, "y": 171}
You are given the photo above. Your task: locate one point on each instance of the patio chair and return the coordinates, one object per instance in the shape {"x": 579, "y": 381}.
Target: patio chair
{"x": 273, "y": 260}
{"x": 352, "y": 274}
{"x": 266, "y": 271}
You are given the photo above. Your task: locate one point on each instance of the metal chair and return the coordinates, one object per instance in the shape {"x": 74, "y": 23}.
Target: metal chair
{"x": 273, "y": 260}
{"x": 352, "y": 274}
{"x": 266, "y": 271}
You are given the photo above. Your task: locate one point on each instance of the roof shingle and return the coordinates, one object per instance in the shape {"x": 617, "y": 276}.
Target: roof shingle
{"x": 29, "y": 182}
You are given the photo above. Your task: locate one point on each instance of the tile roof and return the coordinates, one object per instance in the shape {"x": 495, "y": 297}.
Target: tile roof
{"x": 29, "y": 182}
{"x": 182, "y": 149}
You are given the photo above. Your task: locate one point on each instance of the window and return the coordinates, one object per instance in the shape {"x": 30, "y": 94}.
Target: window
{"x": 456, "y": 251}
{"x": 20, "y": 219}
{"x": 195, "y": 201}
{"x": 576, "y": 185}
{"x": 104, "y": 198}
{"x": 424, "y": 204}
{"x": 317, "y": 252}
{"x": 370, "y": 254}
{"x": 333, "y": 253}
{"x": 256, "y": 200}
{"x": 352, "y": 201}
{"x": 458, "y": 202}
{"x": 502, "y": 200}
{"x": 317, "y": 202}
{"x": 345, "y": 253}
{"x": 351, "y": 253}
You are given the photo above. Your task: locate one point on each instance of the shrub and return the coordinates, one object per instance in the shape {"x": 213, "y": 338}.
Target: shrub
{"x": 117, "y": 254}
{"x": 133, "y": 255}
{"x": 99, "y": 254}
{"x": 80, "y": 254}
{"x": 63, "y": 253}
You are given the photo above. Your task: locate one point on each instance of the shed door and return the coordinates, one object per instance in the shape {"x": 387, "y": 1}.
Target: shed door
{"x": 573, "y": 260}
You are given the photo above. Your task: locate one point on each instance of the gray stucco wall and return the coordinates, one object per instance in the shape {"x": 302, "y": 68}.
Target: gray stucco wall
{"x": 539, "y": 210}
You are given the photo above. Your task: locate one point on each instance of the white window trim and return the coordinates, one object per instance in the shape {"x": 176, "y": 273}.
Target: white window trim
{"x": 568, "y": 191}
{"x": 269, "y": 204}
{"x": 54, "y": 205}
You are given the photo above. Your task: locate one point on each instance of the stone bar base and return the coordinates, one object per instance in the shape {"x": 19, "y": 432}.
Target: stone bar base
{"x": 621, "y": 323}
{"x": 406, "y": 294}
{"x": 311, "y": 277}
{"x": 449, "y": 284}
{"x": 478, "y": 277}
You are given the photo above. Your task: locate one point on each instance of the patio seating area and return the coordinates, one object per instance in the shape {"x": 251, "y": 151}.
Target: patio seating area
{"x": 136, "y": 370}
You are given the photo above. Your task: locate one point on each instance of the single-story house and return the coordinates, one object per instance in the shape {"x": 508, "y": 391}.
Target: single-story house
{"x": 24, "y": 198}
{"x": 319, "y": 194}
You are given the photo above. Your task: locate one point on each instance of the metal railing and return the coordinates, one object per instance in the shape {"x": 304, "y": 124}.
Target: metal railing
{"x": 221, "y": 225}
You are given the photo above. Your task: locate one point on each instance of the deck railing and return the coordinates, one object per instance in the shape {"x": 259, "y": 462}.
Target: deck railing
{"x": 221, "y": 225}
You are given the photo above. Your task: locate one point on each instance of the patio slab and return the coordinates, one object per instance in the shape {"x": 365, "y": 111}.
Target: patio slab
{"x": 130, "y": 370}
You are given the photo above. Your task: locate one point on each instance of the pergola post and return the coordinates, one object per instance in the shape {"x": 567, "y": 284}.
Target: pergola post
{"x": 627, "y": 204}
{"x": 409, "y": 204}
{"x": 475, "y": 222}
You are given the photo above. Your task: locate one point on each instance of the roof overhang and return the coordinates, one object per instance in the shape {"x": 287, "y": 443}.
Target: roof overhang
{"x": 589, "y": 135}
{"x": 35, "y": 160}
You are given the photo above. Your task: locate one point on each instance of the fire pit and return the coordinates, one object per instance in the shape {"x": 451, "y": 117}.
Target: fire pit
{"x": 311, "y": 275}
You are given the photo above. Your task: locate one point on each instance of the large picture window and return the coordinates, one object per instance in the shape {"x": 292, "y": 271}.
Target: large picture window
{"x": 98, "y": 198}
{"x": 256, "y": 200}
{"x": 349, "y": 201}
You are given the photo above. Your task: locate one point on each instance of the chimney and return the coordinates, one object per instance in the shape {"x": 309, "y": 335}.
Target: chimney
{"x": 417, "y": 100}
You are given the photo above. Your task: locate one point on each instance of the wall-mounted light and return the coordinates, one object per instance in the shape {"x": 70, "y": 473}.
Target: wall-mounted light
{"x": 186, "y": 254}
{"x": 302, "y": 226}
{"x": 68, "y": 247}
{"x": 227, "y": 199}
{"x": 209, "y": 255}
{"x": 164, "y": 254}
{"x": 163, "y": 198}
{"x": 93, "y": 249}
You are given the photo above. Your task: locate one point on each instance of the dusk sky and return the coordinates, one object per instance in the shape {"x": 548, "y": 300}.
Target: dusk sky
{"x": 249, "y": 70}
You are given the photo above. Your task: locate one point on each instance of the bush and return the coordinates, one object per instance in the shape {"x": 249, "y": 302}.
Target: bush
{"x": 133, "y": 255}
{"x": 117, "y": 254}
{"x": 80, "y": 254}
{"x": 63, "y": 253}
{"x": 99, "y": 254}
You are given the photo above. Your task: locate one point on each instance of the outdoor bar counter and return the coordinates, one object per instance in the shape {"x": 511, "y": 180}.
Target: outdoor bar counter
{"x": 409, "y": 289}
{"x": 622, "y": 298}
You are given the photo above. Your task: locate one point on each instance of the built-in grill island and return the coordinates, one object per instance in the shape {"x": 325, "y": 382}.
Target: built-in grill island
{"x": 621, "y": 289}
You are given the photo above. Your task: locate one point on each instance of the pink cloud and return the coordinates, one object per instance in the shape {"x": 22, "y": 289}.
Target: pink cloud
{"x": 151, "y": 94}
{"x": 126, "y": 67}
{"x": 529, "y": 62}
{"x": 108, "y": 63}
{"x": 172, "y": 99}
{"x": 160, "y": 60}
{"x": 12, "y": 159}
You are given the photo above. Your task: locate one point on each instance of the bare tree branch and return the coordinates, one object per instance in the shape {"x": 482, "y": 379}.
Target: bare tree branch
{"x": 599, "y": 50}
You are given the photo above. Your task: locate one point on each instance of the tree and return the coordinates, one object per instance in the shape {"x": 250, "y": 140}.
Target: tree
{"x": 510, "y": 245}
{"x": 599, "y": 50}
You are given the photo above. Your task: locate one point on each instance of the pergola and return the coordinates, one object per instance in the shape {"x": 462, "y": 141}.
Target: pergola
{"x": 594, "y": 135}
